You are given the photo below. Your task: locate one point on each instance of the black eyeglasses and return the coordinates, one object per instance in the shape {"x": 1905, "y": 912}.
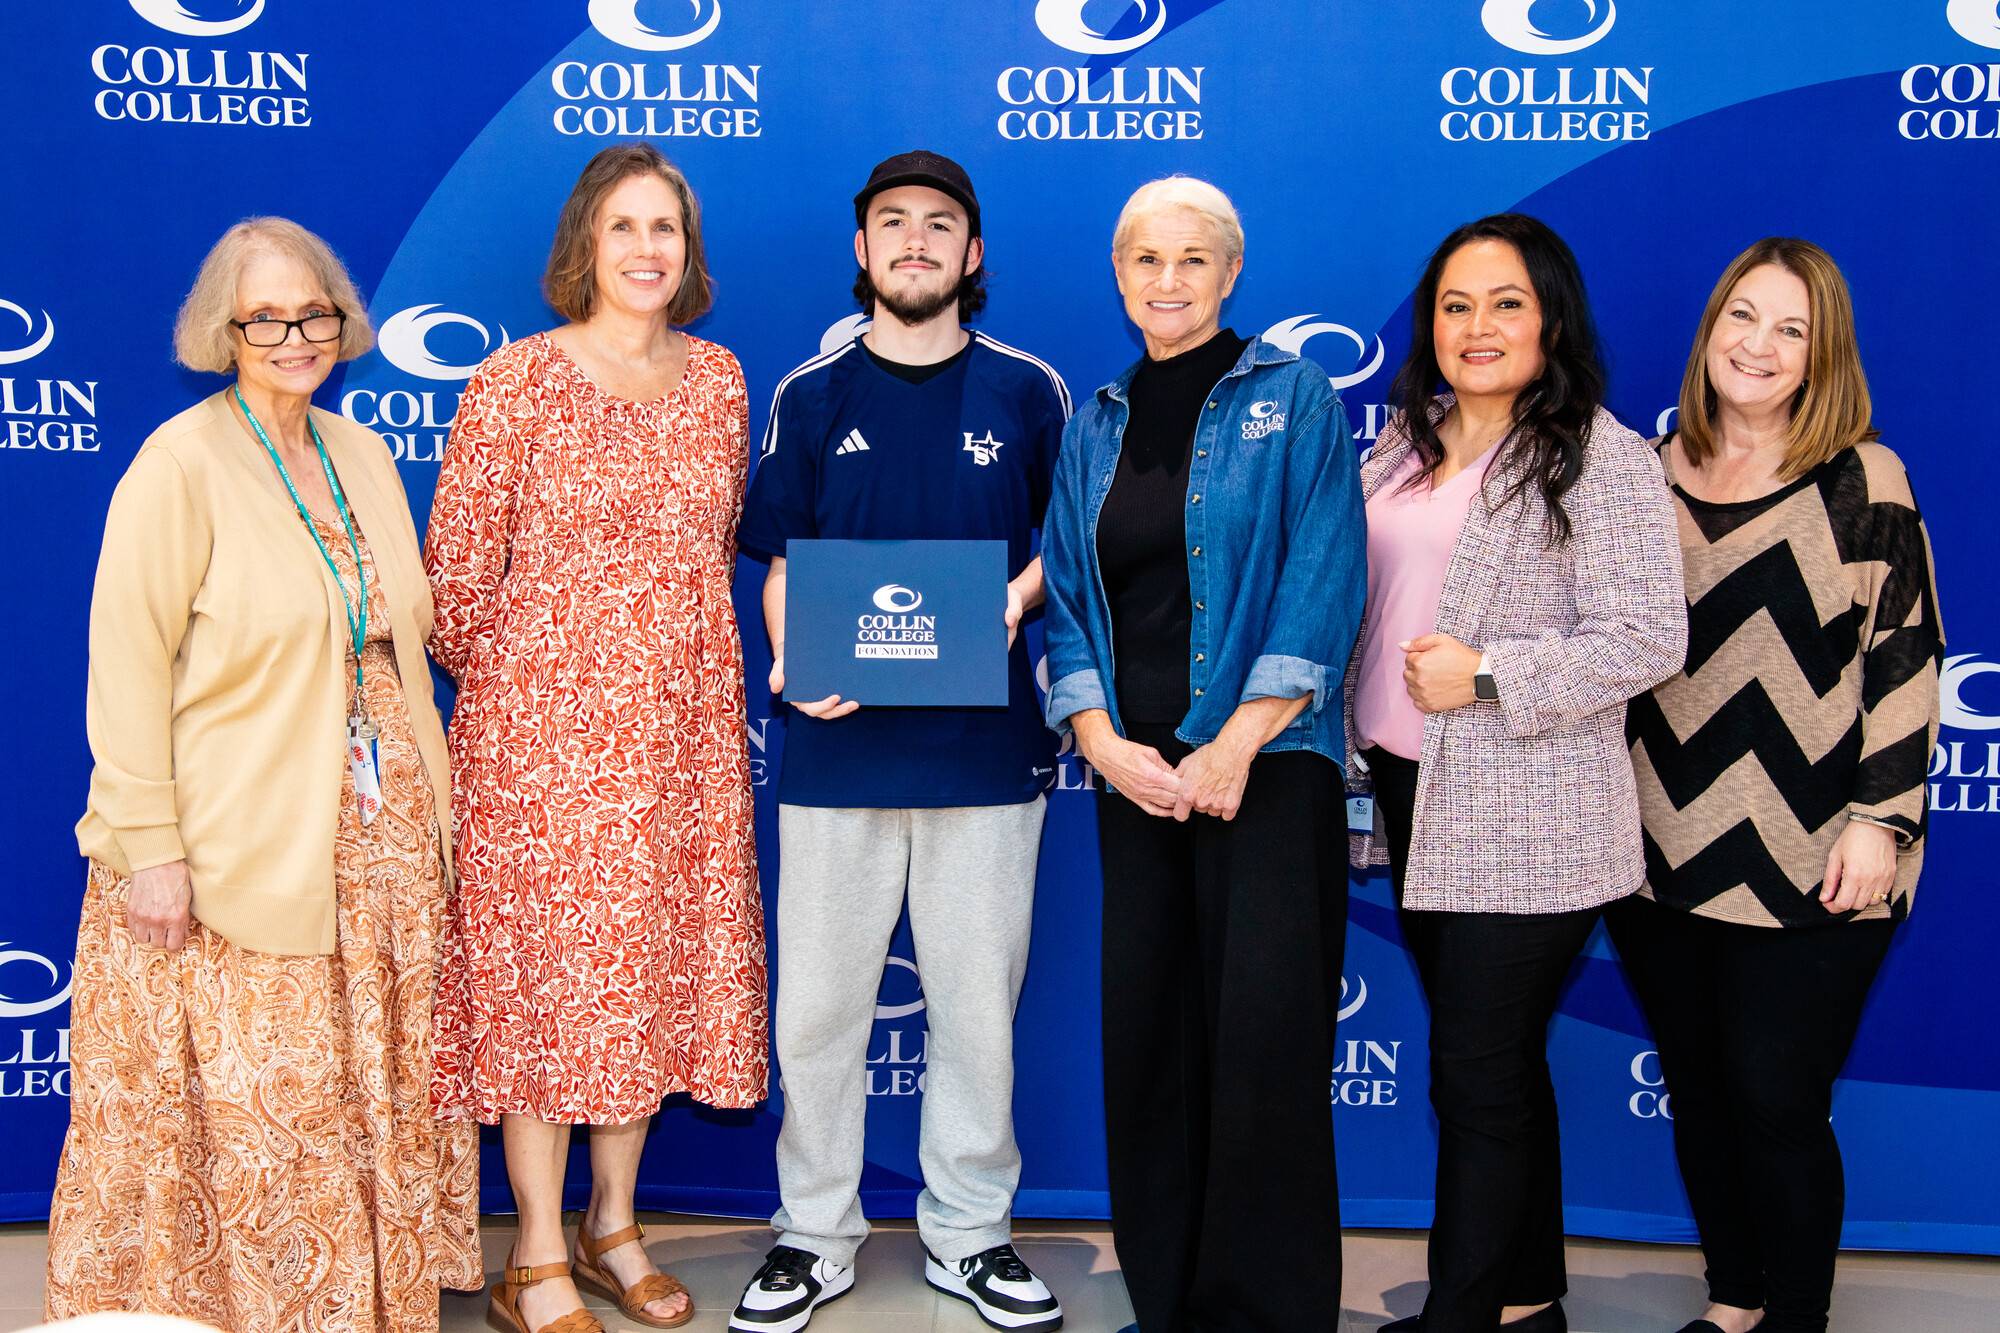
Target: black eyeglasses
{"x": 271, "y": 332}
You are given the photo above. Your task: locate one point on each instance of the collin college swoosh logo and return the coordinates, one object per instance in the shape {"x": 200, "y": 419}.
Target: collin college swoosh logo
{"x": 619, "y": 20}
{"x": 896, "y": 599}
{"x": 842, "y": 332}
{"x": 13, "y": 1008}
{"x": 1976, "y": 20}
{"x": 1349, "y": 1009}
{"x": 1510, "y": 24}
{"x": 34, "y": 346}
{"x": 1062, "y": 22}
{"x": 1953, "y": 711}
{"x": 902, "y": 1010}
{"x": 1294, "y": 333}
{"x": 175, "y": 16}
{"x": 403, "y": 340}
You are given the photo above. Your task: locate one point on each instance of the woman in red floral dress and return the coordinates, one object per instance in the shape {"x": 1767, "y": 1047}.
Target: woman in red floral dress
{"x": 581, "y": 550}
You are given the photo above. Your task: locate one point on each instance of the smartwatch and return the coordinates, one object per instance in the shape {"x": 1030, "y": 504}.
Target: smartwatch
{"x": 1483, "y": 686}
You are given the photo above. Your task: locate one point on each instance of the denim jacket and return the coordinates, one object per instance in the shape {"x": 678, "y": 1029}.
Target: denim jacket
{"x": 1276, "y": 552}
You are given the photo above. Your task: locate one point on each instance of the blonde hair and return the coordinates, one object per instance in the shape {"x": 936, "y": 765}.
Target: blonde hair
{"x": 1185, "y": 192}
{"x": 570, "y": 283}
{"x": 203, "y": 336}
{"x": 1831, "y": 410}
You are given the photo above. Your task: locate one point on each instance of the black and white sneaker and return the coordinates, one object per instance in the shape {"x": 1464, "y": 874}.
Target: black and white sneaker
{"x": 792, "y": 1284}
{"x": 1003, "y": 1289}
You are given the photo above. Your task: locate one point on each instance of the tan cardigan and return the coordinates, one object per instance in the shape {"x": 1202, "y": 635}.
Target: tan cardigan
{"x": 219, "y": 677}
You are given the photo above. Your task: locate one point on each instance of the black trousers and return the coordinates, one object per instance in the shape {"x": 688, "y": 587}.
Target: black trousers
{"x": 1492, "y": 981}
{"x": 1222, "y": 954}
{"x": 1753, "y": 1025}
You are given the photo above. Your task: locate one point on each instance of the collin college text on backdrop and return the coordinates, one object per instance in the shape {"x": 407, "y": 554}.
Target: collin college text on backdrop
{"x": 433, "y": 145}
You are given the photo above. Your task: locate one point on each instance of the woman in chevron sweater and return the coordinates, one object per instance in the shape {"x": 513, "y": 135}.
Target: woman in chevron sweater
{"x": 1781, "y": 776}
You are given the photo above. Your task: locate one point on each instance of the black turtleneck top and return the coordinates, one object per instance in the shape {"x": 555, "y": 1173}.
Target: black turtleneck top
{"x": 1142, "y": 533}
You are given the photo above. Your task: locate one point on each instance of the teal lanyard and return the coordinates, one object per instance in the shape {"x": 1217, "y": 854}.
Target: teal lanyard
{"x": 357, "y": 623}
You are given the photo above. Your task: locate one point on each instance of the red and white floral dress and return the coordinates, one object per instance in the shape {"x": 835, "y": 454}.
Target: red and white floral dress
{"x": 581, "y": 547}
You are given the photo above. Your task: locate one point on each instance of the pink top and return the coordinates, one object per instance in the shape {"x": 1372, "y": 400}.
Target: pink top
{"x": 1411, "y": 534}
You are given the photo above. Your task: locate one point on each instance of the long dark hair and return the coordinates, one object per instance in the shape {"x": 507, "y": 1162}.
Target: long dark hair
{"x": 1553, "y": 413}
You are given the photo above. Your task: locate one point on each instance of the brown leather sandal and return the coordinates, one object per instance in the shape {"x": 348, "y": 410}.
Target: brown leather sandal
{"x": 631, "y": 1300}
{"x": 504, "y": 1310}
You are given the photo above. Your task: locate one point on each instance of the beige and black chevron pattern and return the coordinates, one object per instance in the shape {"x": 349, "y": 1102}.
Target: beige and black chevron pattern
{"x": 1810, "y": 695}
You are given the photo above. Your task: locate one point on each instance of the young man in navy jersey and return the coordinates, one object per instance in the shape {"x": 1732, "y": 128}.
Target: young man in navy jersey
{"x": 916, "y": 430}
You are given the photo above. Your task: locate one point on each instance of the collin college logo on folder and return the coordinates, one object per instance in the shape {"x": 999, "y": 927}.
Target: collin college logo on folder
{"x": 911, "y": 624}
{"x": 897, "y": 632}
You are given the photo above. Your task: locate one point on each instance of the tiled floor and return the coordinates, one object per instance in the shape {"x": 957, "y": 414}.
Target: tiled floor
{"x": 1614, "y": 1288}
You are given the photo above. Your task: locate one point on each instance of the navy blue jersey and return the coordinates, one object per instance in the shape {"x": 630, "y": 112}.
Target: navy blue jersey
{"x": 853, "y": 452}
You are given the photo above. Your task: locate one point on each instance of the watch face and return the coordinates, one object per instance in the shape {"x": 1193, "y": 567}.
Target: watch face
{"x": 1483, "y": 687}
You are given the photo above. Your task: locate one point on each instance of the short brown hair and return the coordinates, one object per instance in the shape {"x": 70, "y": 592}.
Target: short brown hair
{"x": 203, "y": 337}
{"x": 571, "y": 281}
{"x": 1832, "y": 409}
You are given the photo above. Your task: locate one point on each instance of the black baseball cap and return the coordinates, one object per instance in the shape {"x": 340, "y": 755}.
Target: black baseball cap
{"x": 919, "y": 167}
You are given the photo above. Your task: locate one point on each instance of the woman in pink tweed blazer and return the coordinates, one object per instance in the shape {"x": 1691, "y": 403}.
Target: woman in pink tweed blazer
{"x": 1524, "y": 581}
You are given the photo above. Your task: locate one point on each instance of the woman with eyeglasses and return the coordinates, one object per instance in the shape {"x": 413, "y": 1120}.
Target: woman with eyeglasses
{"x": 251, "y": 1140}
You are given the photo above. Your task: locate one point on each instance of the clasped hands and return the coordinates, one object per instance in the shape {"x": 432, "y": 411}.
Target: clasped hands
{"x": 1208, "y": 782}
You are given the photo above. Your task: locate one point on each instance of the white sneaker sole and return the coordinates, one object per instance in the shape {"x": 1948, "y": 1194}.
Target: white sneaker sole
{"x": 832, "y": 1291}
{"x": 942, "y": 1279}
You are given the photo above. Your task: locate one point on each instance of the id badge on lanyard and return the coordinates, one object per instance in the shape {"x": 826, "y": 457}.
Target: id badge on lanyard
{"x": 364, "y": 761}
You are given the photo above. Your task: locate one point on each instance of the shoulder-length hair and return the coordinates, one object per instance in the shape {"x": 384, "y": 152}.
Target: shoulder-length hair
{"x": 1553, "y": 412}
{"x": 1831, "y": 410}
{"x": 570, "y": 284}
{"x": 203, "y": 337}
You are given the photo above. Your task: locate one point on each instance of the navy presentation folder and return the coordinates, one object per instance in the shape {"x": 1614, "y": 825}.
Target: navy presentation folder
{"x": 897, "y": 624}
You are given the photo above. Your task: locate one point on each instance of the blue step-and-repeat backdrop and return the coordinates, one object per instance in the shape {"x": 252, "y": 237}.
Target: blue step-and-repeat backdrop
{"x": 434, "y": 143}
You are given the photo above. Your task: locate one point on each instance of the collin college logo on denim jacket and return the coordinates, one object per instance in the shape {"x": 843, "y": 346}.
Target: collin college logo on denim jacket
{"x": 1960, "y": 98}
{"x": 1265, "y": 419}
{"x": 1965, "y": 766}
{"x": 627, "y": 98}
{"x": 432, "y": 351}
{"x": 149, "y": 82}
{"x": 1113, "y": 101}
{"x": 1542, "y": 103}
{"x": 39, "y": 410}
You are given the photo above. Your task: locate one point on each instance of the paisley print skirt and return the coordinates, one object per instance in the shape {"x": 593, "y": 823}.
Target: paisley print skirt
{"x": 252, "y": 1143}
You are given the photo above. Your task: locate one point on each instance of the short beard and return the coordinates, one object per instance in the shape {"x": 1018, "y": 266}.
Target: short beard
{"x": 919, "y": 309}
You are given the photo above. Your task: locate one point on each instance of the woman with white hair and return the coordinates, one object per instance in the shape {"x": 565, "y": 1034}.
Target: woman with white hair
{"x": 1204, "y": 555}
{"x": 251, "y": 1140}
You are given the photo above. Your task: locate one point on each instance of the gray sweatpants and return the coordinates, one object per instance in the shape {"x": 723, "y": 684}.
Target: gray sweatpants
{"x": 970, "y": 875}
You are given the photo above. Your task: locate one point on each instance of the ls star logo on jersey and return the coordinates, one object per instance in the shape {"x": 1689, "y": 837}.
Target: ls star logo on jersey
{"x": 984, "y": 449}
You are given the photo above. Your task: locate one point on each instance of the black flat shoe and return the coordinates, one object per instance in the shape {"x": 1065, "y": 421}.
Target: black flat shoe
{"x": 1701, "y": 1326}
